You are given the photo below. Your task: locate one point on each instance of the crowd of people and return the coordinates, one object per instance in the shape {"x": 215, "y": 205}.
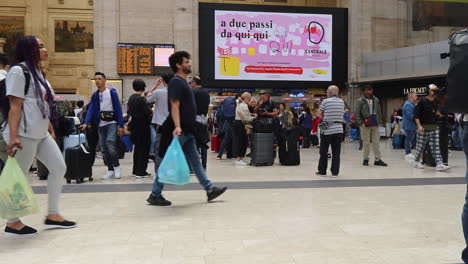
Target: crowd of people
{"x": 178, "y": 106}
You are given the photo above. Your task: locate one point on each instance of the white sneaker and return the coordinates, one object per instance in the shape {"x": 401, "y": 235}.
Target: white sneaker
{"x": 442, "y": 167}
{"x": 410, "y": 157}
{"x": 418, "y": 165}
{"x": 117, "y": 173}
{"x": 108, "y": 175}
{"x": 241, "y": 163}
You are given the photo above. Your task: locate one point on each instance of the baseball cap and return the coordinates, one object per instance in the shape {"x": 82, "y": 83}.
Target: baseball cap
{"x": 433, "y": 86}
{"x": 262, "y": 92}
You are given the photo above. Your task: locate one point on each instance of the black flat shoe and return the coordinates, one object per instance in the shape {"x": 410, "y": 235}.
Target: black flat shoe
{"x": 51, "y": 224}
{"x": 23, "y": 232}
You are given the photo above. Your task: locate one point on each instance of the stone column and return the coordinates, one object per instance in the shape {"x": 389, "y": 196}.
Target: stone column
{"x": 2, "y": 44}
{"x": 186, "y": 29}
{"x": 106, "y": 36}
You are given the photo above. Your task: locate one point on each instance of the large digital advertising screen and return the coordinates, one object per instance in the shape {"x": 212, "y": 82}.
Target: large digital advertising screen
{"x": 247, "y": 46}
{"x": 273, "y": 46}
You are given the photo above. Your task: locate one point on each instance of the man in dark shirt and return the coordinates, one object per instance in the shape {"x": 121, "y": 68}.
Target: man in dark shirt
{"x": 183, "y": 110}
{"x": 425, "y": 115}
{"x": 202, "y": 99}
{"x": 266, "y": 107}
{"x": 139, "y": 127}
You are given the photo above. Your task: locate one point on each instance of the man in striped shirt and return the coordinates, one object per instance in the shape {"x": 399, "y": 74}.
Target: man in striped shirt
{"x": 332, "y": 134}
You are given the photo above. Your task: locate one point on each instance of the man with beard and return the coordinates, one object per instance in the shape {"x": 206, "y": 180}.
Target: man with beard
{"x": 183, "y": 111}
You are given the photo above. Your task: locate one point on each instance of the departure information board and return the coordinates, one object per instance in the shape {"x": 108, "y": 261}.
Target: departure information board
{"x": 135, "y": 59}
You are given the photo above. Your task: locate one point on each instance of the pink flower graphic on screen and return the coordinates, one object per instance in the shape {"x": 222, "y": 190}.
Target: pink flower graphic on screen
{"x": 316, "y": 32}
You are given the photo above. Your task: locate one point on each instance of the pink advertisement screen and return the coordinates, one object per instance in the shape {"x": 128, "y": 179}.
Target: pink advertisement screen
{"x": 273, "y": 46}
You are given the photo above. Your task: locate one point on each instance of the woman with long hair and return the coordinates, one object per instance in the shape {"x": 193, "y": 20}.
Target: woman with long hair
{"x": 240, "y": 138}
{"x": 29, "y": 129}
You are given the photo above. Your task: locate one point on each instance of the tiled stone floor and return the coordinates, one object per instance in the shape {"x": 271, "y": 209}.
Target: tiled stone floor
{"x": 396, "y": 224}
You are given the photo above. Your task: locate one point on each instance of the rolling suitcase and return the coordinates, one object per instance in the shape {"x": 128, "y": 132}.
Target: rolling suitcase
{"x": 314, "y": 140}
{"x": 428, "y": 159}
{"x": 73, "y": 140}
{"x": 398, "y": 141}
{"x": 79, "y": 164}
{"x": 354, "y": 134}
{"x": 289, "y": 148}
{"x": 121, "y": 148}
{"x": 216, "y": 143}
{"x": 262, "y": 152}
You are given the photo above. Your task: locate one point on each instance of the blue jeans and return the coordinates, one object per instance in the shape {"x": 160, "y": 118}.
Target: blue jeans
{"x": 227, "y": 140}
{"x": 457, "y": 136}
{"x": 157, "y": 140}
{"x": 153, "y": 138}
{"x": 410, "y": 135}
{"x": 188, "y": 144}
{"x": 465, "y": 207}
{"x": 108, "y": 142}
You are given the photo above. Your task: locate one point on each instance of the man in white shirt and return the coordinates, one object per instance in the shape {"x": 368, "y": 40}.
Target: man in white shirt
{"x": 105, "y": 110}
{"x": 332, "y": 110}
{"x": 161, "y": 111}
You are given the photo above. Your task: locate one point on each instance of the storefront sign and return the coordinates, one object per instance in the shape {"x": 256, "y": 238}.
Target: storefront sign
{"x": 419, "y": 91}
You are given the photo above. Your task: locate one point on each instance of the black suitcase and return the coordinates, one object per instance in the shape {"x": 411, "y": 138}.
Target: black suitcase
{"x": 263, "y": 125}
{"x": 428, "y": 159}
{"x": 79, "y": 164}
{"x": 42, "y": 171}
{"x": 289, "y": 149}
{"x": 262, "y": 152}
{"x": 314, "y": 140}
{"x": 121, "y": 148}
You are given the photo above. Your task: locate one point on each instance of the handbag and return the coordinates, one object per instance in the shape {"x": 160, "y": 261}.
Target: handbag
{"x": 371, "y": 121}
{"x": 107, "y": 116}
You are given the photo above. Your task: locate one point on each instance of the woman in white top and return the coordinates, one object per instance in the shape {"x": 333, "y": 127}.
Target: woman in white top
{"x": 29, "y": 128}
{"x": 240, "y": 139}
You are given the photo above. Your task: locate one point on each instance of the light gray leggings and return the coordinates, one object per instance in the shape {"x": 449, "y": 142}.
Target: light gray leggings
{"x": 47, "y": 151}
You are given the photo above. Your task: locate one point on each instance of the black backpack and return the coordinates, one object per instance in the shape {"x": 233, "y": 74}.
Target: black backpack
{"x": 4, "y": 102}
{"x": 457, "y": 79}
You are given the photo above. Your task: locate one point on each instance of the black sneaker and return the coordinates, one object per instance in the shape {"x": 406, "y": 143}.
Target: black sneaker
{"x": 320, "y": 174}
{"x": 215, "y": 192}
{"x": 465, "y": 255}
{"x": 23, "y": 232}
{"x": 365, "y": 163}
{"x": 380, "y": 163}
{"x": 50, "y": 224}
{"x": 158, "y": 201}
{"x": 145, "y": 175}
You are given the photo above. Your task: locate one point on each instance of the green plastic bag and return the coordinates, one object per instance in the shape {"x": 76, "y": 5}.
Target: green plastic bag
{"x": 174, "y": 168}
{"x": 16, "y": 196}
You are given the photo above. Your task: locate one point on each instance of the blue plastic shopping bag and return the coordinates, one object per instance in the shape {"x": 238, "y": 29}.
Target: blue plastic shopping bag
{"x": 174, "y": 168}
